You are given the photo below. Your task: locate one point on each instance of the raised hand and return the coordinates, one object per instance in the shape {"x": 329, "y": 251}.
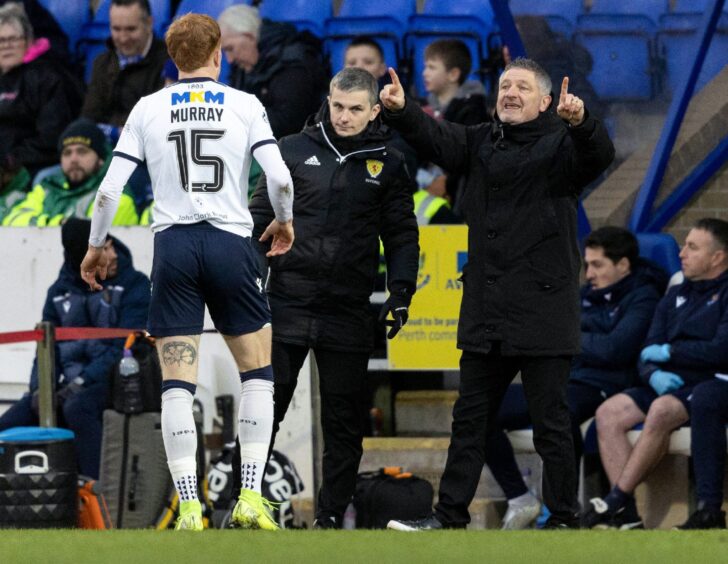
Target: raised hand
{"x": 570, "y": 108}
{"x": 392, "y": 95}
{"x": 282, "y": 234}
{"x": 94, "y": 263}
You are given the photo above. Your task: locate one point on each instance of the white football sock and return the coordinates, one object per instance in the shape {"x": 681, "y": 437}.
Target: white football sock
{"x": 180, "y": 441}
{"x": 255, "y": 427}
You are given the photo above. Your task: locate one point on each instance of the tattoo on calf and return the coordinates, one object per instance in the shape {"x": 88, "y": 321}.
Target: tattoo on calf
{"x": 177, "y": 353}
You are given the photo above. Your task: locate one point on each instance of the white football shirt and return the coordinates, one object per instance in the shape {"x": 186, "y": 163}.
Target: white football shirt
{"x": 197, "y": 137}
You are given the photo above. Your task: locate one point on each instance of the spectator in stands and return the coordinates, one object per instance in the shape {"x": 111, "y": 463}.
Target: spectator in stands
{"x": 520, "y": 304}
{"x": 454, "y": 98}
{"x": 38, "y": 99}
{"x": 350, "y": 191}
{"x": 617, "y": 305}
{"x": 71, "y": 192}
{"x": 276, "y": 63}
{"x": 46, "y": 30}
{"x": 687, "y": 344}
{"x": 131, "y": 66}
{"x": 14, "y": 187}
{"x": 82, "y": 367}
{"x": 708, "y": 420}
{"x": 365, "y": 53}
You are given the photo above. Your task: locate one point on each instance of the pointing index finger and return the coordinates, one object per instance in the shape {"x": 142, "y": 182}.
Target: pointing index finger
{"x": 394, "y": 77}
{"x": 564, "y": 89}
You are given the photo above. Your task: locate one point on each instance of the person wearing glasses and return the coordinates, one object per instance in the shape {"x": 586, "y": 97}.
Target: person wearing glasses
{"x": 38, "y": 98}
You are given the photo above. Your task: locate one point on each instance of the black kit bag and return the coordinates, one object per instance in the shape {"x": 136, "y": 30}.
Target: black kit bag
{"x": 388, "y": 494}
{"x": 148, "y": 385}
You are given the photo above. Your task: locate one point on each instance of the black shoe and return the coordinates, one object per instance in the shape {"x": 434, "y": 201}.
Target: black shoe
{"x": 329, "y": 522}
{"x": 704, "y": 519}
{"x": 430, "y": 523}
{"x": 597, "y": 516}
{"x": 554, "y": 522}
{"x": 625, "y": 519}
{"x": 600, "y": 517}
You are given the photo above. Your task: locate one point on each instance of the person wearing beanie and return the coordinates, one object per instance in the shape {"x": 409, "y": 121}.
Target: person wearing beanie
{"x": 82, "y": 367}
{"x": 70, "y": 193}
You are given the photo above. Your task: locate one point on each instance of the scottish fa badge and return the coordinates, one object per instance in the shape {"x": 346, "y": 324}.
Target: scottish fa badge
{"x": 680, "y": 300}
{"x": 374, "y": 167}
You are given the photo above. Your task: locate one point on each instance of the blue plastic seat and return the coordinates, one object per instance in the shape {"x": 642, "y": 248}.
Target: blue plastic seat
{"x": 623, "y": 50}
{"x": 652, "y": 9}
{"x": 212, "y": 8}
{"x": 367, "y": 18}
{"x": 560, "y": 14}
{"x": 693, "y": 6}
{"x": 677, "y": 44}
{"x": 308, "y": 15}
{"x": 660, "y": 248}
{"x": 70, "y": 17}
{"x": 566, "y": 9}
{"x": 470, "y": 21}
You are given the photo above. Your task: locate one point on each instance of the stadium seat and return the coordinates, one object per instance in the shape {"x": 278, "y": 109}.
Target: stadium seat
{"x": 304, "y": 14}
{"x": 652, "y": 9}
{"x": 622, "y": 48}
{"x": 660, "y": 248}
{"x": 365, "y": 18}
{"x": 560, "y": 14}
{"x": 70, "y": 18}
{"x": 471, "y": 21}
{"x": 692, "y": 6}
{"x": 677, "y": 46}
{"x": 212, "y": 8}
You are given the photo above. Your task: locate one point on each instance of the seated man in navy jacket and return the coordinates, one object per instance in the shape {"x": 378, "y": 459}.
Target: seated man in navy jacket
{"x": 82, "y": 367}
{"x": 687, "y": 344}
{"x": 709, "y": 417}
{"x": 617, "y": 305}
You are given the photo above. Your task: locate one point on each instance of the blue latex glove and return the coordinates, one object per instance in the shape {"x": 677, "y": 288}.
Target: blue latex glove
{"x": 663, "y": 382}
{"x": 655, "y": 353}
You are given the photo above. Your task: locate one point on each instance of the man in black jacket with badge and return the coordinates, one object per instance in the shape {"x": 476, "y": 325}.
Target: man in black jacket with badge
{"x": 351, "y": 189}
{"x": 520, "y": 306}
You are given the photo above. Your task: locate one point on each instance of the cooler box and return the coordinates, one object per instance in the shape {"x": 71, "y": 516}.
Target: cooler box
{"x": 38, "y": 478}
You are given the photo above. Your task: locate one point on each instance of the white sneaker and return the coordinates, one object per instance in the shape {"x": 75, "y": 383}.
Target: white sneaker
{"x": 521, "y": 516}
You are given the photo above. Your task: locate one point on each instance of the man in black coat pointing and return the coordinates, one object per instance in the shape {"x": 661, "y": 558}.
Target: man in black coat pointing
{"x": 520, "y": 307}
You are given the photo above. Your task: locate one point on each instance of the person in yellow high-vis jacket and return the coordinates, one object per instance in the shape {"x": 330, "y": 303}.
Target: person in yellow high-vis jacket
{"x": 71, "y": 191}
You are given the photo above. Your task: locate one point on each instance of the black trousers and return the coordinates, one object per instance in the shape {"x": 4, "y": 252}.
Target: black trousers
{"x": 708, "y": 419}
{"x": 343, "y": 390}
{"x": 583, "y": 401}
{"x": 484, "y": 379}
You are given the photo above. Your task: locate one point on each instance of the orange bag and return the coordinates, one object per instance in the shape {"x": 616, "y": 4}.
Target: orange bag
{"x": 92, "y": 510}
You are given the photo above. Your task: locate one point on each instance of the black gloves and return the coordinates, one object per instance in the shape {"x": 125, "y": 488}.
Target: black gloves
{"x": 398, "y": 305}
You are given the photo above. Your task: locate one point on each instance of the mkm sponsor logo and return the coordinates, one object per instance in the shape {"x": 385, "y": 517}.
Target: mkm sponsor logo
{"x": 203, "y": 96}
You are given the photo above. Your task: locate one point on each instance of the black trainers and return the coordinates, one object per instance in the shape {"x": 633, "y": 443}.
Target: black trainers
{"x": 600, "y": 517}
{"x": 597, "y": 516}
{"x": 555, "y": 523}
{"x": 625, "y": 519}
{"x": 329, "y": 522}
{"x": 430, "y": 523}
{"x": 703, "y": 519}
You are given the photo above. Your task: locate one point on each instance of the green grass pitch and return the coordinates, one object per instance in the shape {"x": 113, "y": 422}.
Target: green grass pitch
{"x": 376, "y": 547}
